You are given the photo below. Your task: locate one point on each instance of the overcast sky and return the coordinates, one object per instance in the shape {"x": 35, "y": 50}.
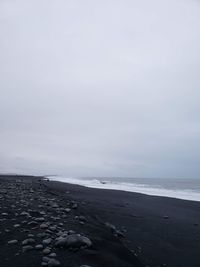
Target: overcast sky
{"x": 100, "y": 88}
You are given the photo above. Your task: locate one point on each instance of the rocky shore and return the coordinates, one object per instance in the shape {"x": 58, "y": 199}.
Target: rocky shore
{"x": 45, "y": 223}
{"x": 42, "y": 228}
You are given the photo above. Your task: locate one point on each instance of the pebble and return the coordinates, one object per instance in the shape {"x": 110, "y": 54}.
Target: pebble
{"x": 12, "y": 242}
{"x": 44, "y": 225}
{"x": 47, "y": 241}
{"x": 28, "y": 241}
{"x": 67, "y": 210}
{"x": 27, "y": 248}
{"x": 53, "y": 262}
{"x": 52, "y": 255}
{"x": 16, "y": 225}
{"x": 46, "y": 251}
{"x": 24, "y": 213}
{"x": 39, "y": 247}
{"x": 74, "y": 206}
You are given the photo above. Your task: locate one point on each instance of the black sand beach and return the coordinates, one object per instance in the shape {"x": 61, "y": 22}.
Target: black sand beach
{"x": 40, "y": 222}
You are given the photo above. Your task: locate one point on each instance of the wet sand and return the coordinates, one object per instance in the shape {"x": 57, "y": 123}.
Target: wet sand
{"x": 120, "y": 228}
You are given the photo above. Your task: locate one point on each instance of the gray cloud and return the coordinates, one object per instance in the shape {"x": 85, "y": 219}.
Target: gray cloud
{"x": 100, "y": 87}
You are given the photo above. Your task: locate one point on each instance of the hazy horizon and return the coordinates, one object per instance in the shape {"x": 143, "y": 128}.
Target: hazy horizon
{"x": 107, "y": 88}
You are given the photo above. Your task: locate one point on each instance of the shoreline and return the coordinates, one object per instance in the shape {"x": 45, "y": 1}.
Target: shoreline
{"x": 130, "y": 187}
{"x": 155, "y": 231}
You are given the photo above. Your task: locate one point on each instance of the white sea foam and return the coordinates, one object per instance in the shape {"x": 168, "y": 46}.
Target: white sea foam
{"x": 131, "y": 187}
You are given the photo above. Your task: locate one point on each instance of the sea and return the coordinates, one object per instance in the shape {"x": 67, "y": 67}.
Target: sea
{"x": 188, "y": 189}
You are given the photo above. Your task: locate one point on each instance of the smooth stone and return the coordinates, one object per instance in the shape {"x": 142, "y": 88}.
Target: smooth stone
{"x": 44, "y": 225}
{"x": 53, "y": 262}
{"x": 46, "y": 251}
{"x": 24, "y": 213}
{"x": 67, "y": 210}
{"x": 12, "y": 242}
{"x": 27, "y": 248}
{"x": 32, "y": 223}
{"x": 40, "y": 219}
{"x": 74, "y": 206}
{"x": 28, "y": 241}
{"x": 47, "y": 241}
{"x": 45, "y": 259}
{"x": 30, "y": 235}
{"x": 74, "y": 240}
{"x": 52, "y": 255}
{"x": 39, "y": 247}
{"x": 110, "y": 226}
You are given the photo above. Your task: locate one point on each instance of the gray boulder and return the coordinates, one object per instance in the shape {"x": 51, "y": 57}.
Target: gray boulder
{"x": 73, "y": 241}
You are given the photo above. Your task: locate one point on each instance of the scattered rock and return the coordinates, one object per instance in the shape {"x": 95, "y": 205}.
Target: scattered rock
{"x": 47, "y": 241}
{"x": 67, "y": 210}
{"x": 28, "y": 241}
{"x": 74, "y": 240}
{"x": 52, "y": 255}
{"x": 53, "y": 262}
{"x": 75, "y": 206}
{"x": 24, "y": 213}
{"x": 46, "y": 251}
{"x": 12, "y": 242}
{"x": 44, "y": 225}
{"x": 39, "y": 247}
{"x": 110, "y": 226}
{"x": 27, "y": 248}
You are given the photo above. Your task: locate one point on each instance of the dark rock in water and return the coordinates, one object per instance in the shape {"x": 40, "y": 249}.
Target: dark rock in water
{"x": 74, "y": 240}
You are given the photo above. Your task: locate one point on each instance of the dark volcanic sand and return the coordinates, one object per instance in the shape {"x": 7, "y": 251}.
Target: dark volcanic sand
{"x": 157, "y": 231}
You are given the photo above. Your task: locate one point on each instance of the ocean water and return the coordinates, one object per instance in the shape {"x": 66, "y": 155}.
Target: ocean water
{"x": 188, "y": 189}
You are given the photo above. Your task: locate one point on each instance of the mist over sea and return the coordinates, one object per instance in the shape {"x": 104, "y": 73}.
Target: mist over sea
{"x": 188, "y": 189}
